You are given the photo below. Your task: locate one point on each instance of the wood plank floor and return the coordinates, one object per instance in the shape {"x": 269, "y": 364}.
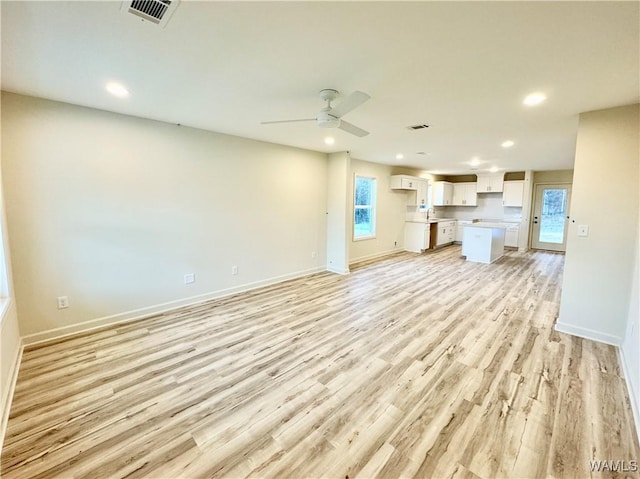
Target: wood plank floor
{"x": 419, "y": 366}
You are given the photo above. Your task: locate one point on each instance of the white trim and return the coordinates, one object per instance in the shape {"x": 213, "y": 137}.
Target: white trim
{"x": 588, "y": 334}
{"x": 374, "y": 256}
{"x": 7, "y": 398}
{"x": 338, "y": 270}
{"x": 4, "y": 307}
{"x": 141, "y": 313}
{"x": 635, "y": 407}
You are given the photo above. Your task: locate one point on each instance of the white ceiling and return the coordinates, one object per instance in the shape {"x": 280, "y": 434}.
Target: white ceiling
{"x": 461, "y": 67}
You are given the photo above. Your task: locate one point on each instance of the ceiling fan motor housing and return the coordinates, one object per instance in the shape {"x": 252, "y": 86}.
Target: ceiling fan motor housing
{"x": 325, "y": 120}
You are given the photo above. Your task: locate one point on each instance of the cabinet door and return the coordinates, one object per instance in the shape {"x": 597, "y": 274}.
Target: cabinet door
{"x": 490, "y": 183}
{"x": 409, "y": 184}
{"x": 511, "y": 237}
{"x": 471, "y": 195}
{"x": 459, "y": 194}
{"x": 442, "y": 193}
{"x": 421, "y": 195}
{"x": 513, "y": 192}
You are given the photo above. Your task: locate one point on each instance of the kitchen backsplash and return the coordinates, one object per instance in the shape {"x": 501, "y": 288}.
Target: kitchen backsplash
{"x": 489, "y": 207}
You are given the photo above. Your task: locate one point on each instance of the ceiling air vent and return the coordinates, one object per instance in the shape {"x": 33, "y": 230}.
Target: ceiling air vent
{"x": 418, "y": 127}
{"x": 154, "y": 11}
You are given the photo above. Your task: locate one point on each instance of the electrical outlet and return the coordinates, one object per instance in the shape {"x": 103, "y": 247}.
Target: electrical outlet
{"x": 234, "y": 270}
{"x": 63, "y": 302}
{"x": 313, "y": 254}
{"x": 583, "y": 230}
{"x": 189, "y": 278}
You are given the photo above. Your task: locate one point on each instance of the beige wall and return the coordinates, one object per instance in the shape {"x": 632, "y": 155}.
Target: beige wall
{"x": 338, "y": 218}
{"x": 630, "y": 347}
{"x": 390, "y": 213}
{"x": 112, "y": 211}
{"x": 596, "y": 289}
{"x": 10, "y": 342}
{"x": 553, "y": 176}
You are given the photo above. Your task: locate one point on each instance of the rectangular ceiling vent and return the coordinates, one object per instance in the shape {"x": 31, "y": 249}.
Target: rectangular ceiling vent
{"x": 154, "y": 11}
{"x": 418, "y": 127}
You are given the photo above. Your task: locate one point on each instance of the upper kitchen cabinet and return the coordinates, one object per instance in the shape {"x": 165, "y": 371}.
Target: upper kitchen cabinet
{"x": 464, "y": 194}
{"x": 411, "y": 183}
{"x": 404, "y": 182}
{"x": 442, "y": 193}
{"x": 490, "y": 183}
{"x": 421, "y": 194}
{"x": 513, "y": 192}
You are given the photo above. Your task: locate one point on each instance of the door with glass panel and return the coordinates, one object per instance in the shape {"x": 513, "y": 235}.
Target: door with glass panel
{"x": 550, "y": 217}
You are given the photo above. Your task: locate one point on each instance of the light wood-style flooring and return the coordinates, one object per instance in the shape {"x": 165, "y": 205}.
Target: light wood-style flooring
{"x": 420, "y": 366}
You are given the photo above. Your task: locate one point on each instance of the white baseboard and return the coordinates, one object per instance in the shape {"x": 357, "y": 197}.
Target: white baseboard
{"x": 633, "y": 394}
{"x": 588, "y": 334}
{"x": 338, "y": 270}
{"x": 7, "y": 396}
{"x": 140, "y": 313}
{"x": 375, "y": 255}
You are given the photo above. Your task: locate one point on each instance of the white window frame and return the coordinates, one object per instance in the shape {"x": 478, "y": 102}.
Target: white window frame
{"x": 372, "y": 207}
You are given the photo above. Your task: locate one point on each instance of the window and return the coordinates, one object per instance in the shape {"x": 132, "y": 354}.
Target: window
{"x": 364, "y": 211}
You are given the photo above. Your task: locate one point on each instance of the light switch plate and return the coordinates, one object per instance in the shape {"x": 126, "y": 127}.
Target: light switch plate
{"x": 583, "y": 230}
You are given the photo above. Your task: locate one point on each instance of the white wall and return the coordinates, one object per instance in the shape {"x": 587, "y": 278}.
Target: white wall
{"x": 112, "y": 211}
{"x": 598, "y": 272}
{"x": 391, "y": 208}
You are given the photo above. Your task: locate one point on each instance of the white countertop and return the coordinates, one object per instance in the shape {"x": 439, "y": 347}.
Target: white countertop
{"x": 430, "y": 220}
{"x": 486, "y": 225}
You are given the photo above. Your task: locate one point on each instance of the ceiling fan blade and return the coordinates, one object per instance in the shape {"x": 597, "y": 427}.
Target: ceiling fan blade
{"x": 351, "y": 102}
{"x": 286, "y": 121}
{"x": 354, "y": 130}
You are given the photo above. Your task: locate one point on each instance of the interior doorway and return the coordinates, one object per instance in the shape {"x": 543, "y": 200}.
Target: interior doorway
{"x": 550, "y": 216}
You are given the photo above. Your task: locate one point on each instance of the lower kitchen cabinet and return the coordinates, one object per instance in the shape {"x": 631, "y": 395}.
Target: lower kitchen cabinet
{"x": 511, "y": 236}
{"x": 446, "y": 232}
{"x": 460, "y": 229}
{"x": 417, "y": 236}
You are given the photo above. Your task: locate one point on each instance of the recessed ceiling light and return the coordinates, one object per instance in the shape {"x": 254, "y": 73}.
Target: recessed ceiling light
{"x": 494, "y": 169}
{"x": 475, "y": 161}
{"x": 399, "y": 156}
{"x": 329, "y": 140}
{"x": 117, "y": 89}
{"x": 507, "y": 144}
{"x": 534, "y": 99}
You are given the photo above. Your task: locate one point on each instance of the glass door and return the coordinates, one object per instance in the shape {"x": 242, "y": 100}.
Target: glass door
{"x": 550, "y": 217}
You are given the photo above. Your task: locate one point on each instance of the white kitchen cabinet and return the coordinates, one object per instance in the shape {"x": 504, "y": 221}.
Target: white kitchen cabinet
{"x": 512, "y": 235}
{"x": 411, "y": 183}
{"x": 417, "y": 235}
{"x": 421, "y": 193}
{"x": 464, "y": 194}
{"x": 460, "y": 224}
{"x": 512, "y": 193}
{"x": 483, "y": 242}
{"x": 442, "y": 193}
{"x": 446, "y": 232}
{"x": 490, "y": 183}
{"x": 404, "y": 182}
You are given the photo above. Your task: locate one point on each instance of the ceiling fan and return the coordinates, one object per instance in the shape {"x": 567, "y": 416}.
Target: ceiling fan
{"x": 331, "y": 117}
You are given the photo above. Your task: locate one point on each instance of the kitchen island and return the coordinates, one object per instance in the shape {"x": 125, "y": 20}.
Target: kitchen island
{"x": 483, "y": 242}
